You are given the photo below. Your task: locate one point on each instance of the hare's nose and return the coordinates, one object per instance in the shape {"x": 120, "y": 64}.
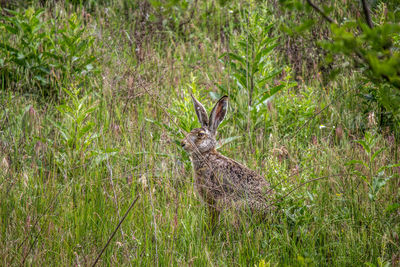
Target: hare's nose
{"x": 183, "y": 144}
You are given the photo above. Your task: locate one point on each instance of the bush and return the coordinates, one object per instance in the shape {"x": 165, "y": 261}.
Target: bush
{"x": 38, "y": 55}
{"x": 369, "y": 46}
{"x": 257, "y": 76}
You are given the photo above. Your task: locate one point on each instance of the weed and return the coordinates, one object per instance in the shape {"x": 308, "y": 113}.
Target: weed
{"x": 376, "y": 178}
{"x": 42, "y": 54}
{"x": 70, "y": 168}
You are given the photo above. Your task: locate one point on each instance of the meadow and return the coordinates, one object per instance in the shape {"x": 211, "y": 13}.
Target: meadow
{"x": 95, "y": 99}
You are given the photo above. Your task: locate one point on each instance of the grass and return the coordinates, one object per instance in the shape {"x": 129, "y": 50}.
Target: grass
{"x": 61, "y": 199}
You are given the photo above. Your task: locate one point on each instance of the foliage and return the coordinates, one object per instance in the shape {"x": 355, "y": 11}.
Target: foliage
{"x": 75, "y": 148}
{"x": 48, "y": 54}
{"x": 183, "y": 117}
{"x": 251, "y": 66}
{"x": 172, "y": 11}
{"x": 375, "y": 178}
{"x": 26, "y": 53}
{"x": 370, "y": 44}
{"x": 69, "y": 169}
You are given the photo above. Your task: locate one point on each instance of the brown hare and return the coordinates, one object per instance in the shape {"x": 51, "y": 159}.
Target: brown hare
{"x": 222, "y": 182}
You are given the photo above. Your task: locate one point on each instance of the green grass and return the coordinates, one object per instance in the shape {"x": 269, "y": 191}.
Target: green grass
{"x": 61, "y": 201}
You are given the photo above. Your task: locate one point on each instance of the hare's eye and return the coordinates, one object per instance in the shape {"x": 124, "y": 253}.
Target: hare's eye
{"x": 201, "y": 134}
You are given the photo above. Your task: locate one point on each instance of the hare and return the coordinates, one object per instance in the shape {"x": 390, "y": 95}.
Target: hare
{"x": 220, "y": 181}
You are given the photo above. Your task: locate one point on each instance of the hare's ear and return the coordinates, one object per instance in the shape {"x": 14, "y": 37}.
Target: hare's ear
{"x": 218, "y": 113}
{"x": 200, "y": 112}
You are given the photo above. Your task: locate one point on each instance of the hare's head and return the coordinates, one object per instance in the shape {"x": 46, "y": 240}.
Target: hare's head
{"x": 202, "y": 139}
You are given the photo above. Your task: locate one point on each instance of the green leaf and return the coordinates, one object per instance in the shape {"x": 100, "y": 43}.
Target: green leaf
{"x": 63, "y": 131}
{"x": 69, "y": 93}
{"x": 225, "y": 141}
{"x": 267, "y": 40}
{"x": 271, "y": 93}
{"x": 8, "y": 48}
{"x": 391, "y": 208}
{"x": 270, "y": 76}
{"x": 377, "y": 153}
{"x": 378, "y": 183}
{"x": 305, "y": 25}
{"x": 354, "y": 162}
{"x": 9, "y": 28}
{"x": 41, "y": 79}
{"x": 364, "y": 145}
{"x": 238, "y": 58}
{"x": 214, "y": 96}
{"x": 162, "y": 125}
{"x": 64, "y": 109}
{"x": 267, "y": 50}
{"x": 44, "y": 69}
{"x": 388, "y": 167}
{"x": 85, "y": 130}
{"x": 241, "y": 80}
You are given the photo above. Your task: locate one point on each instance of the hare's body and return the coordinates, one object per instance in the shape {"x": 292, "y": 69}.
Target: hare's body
{"x": 221, "y": 181}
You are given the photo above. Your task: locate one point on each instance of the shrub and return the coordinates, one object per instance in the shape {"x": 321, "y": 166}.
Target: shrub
{"x": 256, "y": 76}
{"x": 38, "y": 55}
{"x": 369, "y": 45}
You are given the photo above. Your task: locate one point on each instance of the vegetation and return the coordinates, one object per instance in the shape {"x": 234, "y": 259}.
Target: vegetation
{"x": 95, "y": 98}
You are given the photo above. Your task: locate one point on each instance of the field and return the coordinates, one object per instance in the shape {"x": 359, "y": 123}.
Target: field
{"x": 95, "y": 99}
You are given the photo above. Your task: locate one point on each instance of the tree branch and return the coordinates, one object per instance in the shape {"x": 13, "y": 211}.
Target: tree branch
{"x": 319, "y": 10}
{"x": 367, "y": 13}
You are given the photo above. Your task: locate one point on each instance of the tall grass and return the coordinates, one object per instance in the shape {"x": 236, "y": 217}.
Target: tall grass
{"x": 69, "y": 169}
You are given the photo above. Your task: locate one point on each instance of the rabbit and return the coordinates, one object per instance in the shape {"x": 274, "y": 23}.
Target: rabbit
{"x": 220, "y": 181}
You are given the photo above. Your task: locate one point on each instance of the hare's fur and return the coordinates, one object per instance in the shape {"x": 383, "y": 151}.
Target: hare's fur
{"x": 222, "y": 182}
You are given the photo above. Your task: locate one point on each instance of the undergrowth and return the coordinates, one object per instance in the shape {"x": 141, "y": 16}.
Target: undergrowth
{"x": 78, "y": 147}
